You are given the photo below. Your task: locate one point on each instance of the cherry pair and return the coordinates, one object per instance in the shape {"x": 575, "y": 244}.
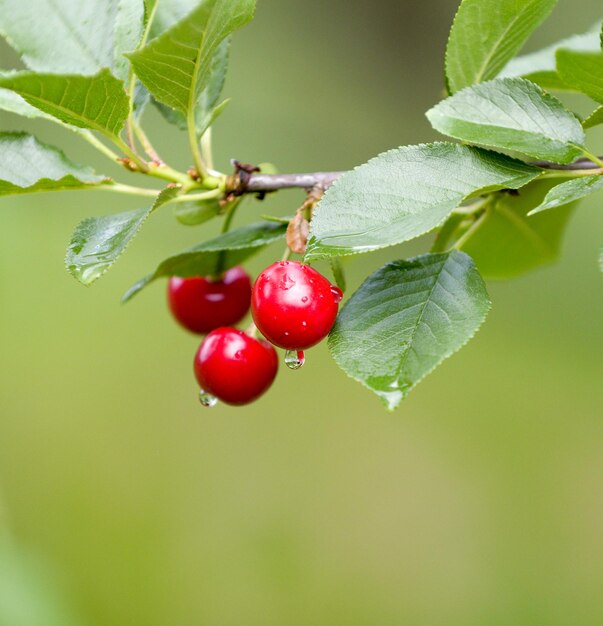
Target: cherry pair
{"x": 292, "y": 304}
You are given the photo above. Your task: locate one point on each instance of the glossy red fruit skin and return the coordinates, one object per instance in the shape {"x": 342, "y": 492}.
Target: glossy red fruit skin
{"x": 200, "y": 304}
{"x": 234, "y": 367}
{"x": 293, "y": 305}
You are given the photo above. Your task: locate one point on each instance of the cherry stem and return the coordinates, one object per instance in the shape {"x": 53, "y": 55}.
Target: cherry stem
{"x": 220, "y": 265}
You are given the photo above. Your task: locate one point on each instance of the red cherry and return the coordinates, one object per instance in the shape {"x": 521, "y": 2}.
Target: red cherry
{"x": 234, "y": 367}
{"x": 293, "y": 305}
{"x": 201, "y": 304}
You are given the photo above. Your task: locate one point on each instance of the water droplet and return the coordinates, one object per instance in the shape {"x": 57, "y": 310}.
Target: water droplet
{"x": 294, "y": 359}
{"x": 337, "y": 293}
{"x": 207, "y": 400}
{"x": 305, "y": 299}
{"x": 286, "y": 282}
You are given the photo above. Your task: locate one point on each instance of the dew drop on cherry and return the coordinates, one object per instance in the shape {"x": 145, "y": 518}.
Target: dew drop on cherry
{"x": 207, "y": 400}
{"x": 337, "y": 293}
{"x": 294, "y": 359}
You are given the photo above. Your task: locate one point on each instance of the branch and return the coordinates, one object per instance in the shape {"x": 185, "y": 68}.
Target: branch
{"x": 244, "y": 182}
{"x": 580, "y": 164}
{"x": 274, "y": 182}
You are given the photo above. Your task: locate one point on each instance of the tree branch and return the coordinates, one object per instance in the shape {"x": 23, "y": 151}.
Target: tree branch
{"x": 274, "y": 182}
{"x": 580, "y": 164}
{"x": 243, "y": 182}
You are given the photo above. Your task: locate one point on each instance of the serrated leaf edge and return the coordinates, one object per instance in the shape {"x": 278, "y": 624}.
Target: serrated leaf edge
{"x": 498, "y": 149}
{"x": 309, "y": 257}
{"x": 160, "y": 200}
{"x": 382, "y": 397}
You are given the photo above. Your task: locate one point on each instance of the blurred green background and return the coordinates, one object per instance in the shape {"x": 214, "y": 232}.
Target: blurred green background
{"x": 479, "y": 502}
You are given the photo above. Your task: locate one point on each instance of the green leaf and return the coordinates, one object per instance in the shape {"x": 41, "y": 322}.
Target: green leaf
{"x": 94, "y": 102}
{"x": 505, "y": 243}
{"x": 486, "y": 34}
{"x": 141, "y": 98}
{"x": 159, "y": 24}
{"x": 583, "y": 71}
{"x": 207, "y": 108}
{"x": 14, "y": 103}
{"x": 541, "y": 67}
{"x": 568, "y": 192}
{"x": 404, "y": 193}
{"x": 98, "y": 241}
{"x": 338, "y": 273}
{"x": 405, "y": 319}
{"x": 210, "y": 96}
{"x": 66, "y": 36}
{"x": 511, "y": 114}
{"x": 129, "y": 29}
{"x": 190, "y": 46}
{"x": 229, "y": 249}
{"x": 29, "y": 166}
{"x": 594, "y": 119}
{"x": 169, "y": 13}
{"x": 195, "y": 213}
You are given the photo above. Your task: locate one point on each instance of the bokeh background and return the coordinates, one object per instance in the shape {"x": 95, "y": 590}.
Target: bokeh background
{"x": 124, "y": 503}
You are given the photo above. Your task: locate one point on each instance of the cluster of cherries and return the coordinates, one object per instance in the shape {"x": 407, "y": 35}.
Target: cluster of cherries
{"x": 293, "y": 306}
